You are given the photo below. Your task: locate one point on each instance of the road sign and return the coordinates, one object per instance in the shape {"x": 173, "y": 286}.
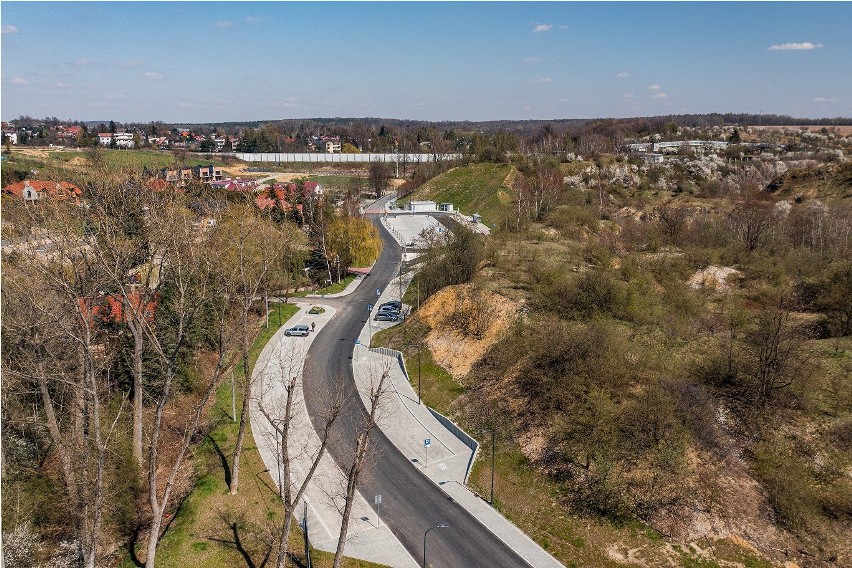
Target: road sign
{"x": 357, "y": 342}
{"x": 369, "y": 307}
{"x": 378, "y": 292}
{"x": 427, "y": 442}
{"x": 378, "y": 501}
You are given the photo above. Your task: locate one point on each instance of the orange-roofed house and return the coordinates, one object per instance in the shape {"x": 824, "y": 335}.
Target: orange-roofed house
{"x": 35, "y": 190}
{"x": 110, "y": 308}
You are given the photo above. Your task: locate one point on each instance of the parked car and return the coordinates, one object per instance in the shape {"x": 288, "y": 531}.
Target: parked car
{"x": 298, "y": 330}
{"x": 393, "y": 303}
{"x": 386, "y": 316}
{"x": 389, "y": 311}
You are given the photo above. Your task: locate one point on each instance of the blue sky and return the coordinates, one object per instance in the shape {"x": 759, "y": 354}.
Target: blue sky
{"x": 225, "y": 61}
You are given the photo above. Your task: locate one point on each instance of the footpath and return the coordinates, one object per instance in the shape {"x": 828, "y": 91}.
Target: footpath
{"x": 445, "y": 459}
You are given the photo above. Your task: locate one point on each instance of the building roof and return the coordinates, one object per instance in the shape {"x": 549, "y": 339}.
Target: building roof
{"x": 55, "y": 189}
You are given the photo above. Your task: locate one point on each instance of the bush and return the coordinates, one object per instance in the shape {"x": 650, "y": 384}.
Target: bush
{"x": 593, "y": 293}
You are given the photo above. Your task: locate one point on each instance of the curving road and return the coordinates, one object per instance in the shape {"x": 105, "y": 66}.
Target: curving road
{"x": 411, "y": 503}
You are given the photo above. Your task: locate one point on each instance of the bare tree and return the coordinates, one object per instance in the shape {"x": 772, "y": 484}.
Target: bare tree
{"x": 288, "y": 378}
{"x": 249, "y": 249}
{"x": 56, "y": 343}
{"x": 377, "y": 391}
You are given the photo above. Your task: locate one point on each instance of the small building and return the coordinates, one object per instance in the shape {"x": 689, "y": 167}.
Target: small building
{"x": 652, "y": 158}
{"x": 208, "y": 173}
{"x": 476, "y": 218}
{"x": 446, "y": 207}
{"x": 34, "y": 190}
{"x": 123, "y": 139}
{"x": 422, "y": 206}
{"x": 105, "y": 138}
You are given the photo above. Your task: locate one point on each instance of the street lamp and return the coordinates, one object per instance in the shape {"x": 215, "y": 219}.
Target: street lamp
{"x": 491, "y": 497}
{"x": 441, "y": 526}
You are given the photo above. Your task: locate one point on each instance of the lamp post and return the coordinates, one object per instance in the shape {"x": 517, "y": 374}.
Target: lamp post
{"x": 419, "y": 352}
{"x": 441, "y": 526}
{"x": 491, "y": 496}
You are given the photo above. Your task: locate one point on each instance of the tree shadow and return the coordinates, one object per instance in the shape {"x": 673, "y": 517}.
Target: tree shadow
{"x": 223, "y": 459}
{"x": 131, "y": 548}
{"x": 237, "y": 543}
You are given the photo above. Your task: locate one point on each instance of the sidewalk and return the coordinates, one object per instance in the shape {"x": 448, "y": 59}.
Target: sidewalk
{"x": 284, "y": 356}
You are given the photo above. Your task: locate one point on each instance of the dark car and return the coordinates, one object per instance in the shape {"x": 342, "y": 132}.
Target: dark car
{"x": 396, "y": 304}
{"x": 386, "y": 316}
{"x": 299, "y": 330}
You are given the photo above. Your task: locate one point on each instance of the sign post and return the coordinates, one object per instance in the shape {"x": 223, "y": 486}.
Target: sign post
{"x": 426, "y": 443}
{"x": 378, "y": 501}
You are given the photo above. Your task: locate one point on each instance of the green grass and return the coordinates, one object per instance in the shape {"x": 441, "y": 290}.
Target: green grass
{"x": 478, "y": 188}
{"x": 335, "y": 288}
{"x": 135, "y": 159}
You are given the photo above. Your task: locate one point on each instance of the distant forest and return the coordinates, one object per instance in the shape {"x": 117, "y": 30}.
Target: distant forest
{"x": 654, "y": 123}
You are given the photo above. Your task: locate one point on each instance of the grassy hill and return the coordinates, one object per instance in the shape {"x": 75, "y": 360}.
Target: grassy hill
{"x": 478, "y": 188}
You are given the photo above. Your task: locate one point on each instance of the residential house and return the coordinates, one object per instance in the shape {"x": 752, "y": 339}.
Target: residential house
{"x": 105, "y": 138}
{"x": 10, "y": 136}
{"x": 35, "y": 190}
{"x": 109, "y": 308}
{"x": 207, "y": 173}
{"x": 123, "y": 139}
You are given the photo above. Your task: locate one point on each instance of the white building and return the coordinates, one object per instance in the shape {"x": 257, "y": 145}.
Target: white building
{"x": 122, "y": 139}
{"x": 10, "y": 137}
{"x": 422, "y": 206}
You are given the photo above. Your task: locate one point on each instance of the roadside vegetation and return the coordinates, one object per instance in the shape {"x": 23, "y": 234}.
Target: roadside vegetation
{"x": 125, "y": 315}
{"x": 673, "y": 386}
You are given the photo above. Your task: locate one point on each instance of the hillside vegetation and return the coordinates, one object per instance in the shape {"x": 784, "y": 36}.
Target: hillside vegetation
{"x": 479, "y": 188}
{"x": 680, "y": 358}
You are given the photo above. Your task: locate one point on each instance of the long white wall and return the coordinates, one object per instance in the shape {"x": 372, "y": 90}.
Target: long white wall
{"x": 340, "y": 158}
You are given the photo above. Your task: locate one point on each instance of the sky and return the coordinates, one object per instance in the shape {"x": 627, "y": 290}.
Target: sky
{"x": 239, "y": 61}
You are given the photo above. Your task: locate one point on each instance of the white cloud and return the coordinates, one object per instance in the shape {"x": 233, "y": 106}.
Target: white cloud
{"x": 654, "y": 87}
{"x": 805, "y": 45}
{"x": 10, "y": 30}
{"x": 826, "y": 100}
{"x": 532, "y": 60}
{"x": 627, "y": 96}
{"x": 224, "y": 24}
{"x": 128, "y": 64}
{"x": 623, "y": 75}
{"x": 82, "y": 62}
{"x": 542, "y": 28}
{"x": 253, "y": 19}
{"x": 19, "y": 81}
{"x": 152, "y": 76}
{"x": 542, "y": 81}
{"x": 660, "y": 96}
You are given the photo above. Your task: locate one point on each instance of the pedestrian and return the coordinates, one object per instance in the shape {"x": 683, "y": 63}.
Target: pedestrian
{"x": 313, "y": 325}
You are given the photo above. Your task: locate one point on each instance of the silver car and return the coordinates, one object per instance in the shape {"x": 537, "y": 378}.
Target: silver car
{"x": 298, "y": 330}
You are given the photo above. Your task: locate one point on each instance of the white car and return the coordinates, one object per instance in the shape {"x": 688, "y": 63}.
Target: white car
{"x": 299, "y": 330}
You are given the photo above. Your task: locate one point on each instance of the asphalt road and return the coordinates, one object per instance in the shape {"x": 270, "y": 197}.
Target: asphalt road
{"x": 411, "y": 503}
